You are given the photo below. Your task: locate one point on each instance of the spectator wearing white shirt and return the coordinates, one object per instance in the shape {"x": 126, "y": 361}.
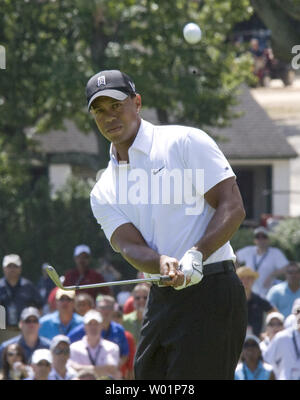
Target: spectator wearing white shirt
{"x": 269, "y": 262}
{"x": 274, "y": 324}
{"x": 93, "y": 353}
{"x": 283, "y": 352}
{"x": 60, "y": 350}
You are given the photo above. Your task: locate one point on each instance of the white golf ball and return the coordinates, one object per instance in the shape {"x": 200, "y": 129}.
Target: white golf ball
{"x": 192, "y": 33}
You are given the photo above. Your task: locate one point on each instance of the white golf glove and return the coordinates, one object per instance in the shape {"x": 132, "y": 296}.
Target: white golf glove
{"x": 191, "y": 266}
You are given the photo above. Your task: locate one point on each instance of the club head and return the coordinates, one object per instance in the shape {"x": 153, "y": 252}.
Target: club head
{"x": 54, "y": 276}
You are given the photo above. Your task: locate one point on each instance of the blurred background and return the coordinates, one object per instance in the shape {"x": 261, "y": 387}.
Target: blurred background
{"x": 240, "y": 83}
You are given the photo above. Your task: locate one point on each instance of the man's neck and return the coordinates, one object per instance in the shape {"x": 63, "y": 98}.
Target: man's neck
{"x": 252, "y": 365}
{"x": 65, "y": 317}
{"x": 60, "y": 369}
{"x": 261, "y": 250}
{"x": 93, "y": 341}
{"x": 31, "y": 340}
{"x": 106, "y": 325}
{"x": 13, "y": 282}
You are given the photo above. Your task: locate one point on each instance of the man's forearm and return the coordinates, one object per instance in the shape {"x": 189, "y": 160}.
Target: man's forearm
{"x": 220, "y": 229}
{"x": 142, "y": 258}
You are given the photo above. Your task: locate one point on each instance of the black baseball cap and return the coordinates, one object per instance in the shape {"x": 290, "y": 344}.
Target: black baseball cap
{"x": 111, "y": 83}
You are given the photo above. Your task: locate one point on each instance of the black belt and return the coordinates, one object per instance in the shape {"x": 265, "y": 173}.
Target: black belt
{"x": 218, "y": 267}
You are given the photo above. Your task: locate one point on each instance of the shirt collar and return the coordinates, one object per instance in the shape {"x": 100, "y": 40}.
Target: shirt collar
{"x": 142, "y": 142}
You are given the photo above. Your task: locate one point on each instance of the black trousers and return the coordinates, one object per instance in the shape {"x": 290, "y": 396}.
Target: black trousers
{"x": 193, "y": 334}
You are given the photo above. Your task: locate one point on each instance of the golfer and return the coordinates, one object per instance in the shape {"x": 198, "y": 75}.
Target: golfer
{"x": 195, "y": 325}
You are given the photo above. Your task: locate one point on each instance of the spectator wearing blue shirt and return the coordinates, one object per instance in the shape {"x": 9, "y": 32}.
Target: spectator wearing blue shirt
{"x": 16, "y": 293}
{"x": 283, "y": 295}
{"x": 112, "y": 331}
{"x": 62, "y": 321}
{"x": 29, "y": 338}
{"x": 252, "y": 367}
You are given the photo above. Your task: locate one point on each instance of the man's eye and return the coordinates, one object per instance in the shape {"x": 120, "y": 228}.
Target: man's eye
{"x": 115, "y": 106}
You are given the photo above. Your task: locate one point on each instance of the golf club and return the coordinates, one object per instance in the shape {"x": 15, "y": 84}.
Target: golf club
{"x": 55, "y": 278}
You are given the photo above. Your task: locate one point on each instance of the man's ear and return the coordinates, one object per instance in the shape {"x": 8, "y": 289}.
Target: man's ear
{"x": 138, "y": 102}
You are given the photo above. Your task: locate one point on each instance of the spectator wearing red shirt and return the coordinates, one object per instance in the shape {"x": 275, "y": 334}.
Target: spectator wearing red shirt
{"x": 82, "y": 274}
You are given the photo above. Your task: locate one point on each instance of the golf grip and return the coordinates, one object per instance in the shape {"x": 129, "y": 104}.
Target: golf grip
{"x": 164, "y": 278}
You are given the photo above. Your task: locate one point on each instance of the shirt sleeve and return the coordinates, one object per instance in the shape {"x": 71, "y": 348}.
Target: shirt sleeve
{"x": 107, "y": 215}
{"x": 281, "y": 260}
{"x": 202, "y": 153}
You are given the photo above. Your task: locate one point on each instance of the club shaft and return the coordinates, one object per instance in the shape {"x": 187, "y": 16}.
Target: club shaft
{"x": 54, "y": 276}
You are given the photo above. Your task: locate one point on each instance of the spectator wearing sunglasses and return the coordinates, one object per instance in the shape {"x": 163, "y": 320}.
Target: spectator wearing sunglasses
{"x": 269, "y": 262}
{"x": 14, "y": 363}
{"x": 274, "y": 324}
{"x": 29, "y": 339}
{"x": 64, "y": 319}
{"x": 60, "y": 350}
{"x": 283, "y": 295}
{"x": 132, "y": 322}
{"x": 252, "y": 366}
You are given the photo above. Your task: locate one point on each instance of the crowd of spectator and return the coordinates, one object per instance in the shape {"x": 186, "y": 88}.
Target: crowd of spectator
{"x": 54, "y": 334}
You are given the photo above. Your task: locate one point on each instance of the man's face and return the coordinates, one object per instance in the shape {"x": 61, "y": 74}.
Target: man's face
{"x": 106, "y": 309}
{"x": 140, "y": 299}
{"x": 65, "y": 304}
{"x": 251, "y": 351}
{"x": 82, "y": 306}
{"x": 61, "y": 353}
{"x": 274, "y": 326}
{"x": 42, "y": 370}
{"x": 292, "y": 274}
{"x": 117, "y": 120}
{"x": 261, "y": 240}
{"x": 93, "y": 328}
{"x": 82, "y": 261}
{"x": 30, "y": 326}
{"x": 12, "y": 272}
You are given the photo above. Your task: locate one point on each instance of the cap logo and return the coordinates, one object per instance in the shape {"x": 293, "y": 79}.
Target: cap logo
{"x": 101, "y": 80}
{"x": 132, "y": 86}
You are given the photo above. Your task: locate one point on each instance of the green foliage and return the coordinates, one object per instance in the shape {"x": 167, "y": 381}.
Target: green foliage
{"x": 286, "y": 235}
{"x": 242, "y": 238}
{"x": 41, "y": 229}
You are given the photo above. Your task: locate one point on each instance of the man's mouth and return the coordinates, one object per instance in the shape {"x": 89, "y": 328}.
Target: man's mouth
{"x": 114, "y": 129}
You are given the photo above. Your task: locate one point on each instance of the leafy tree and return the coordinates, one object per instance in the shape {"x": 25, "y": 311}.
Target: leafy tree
{"x": 283, "y": 19}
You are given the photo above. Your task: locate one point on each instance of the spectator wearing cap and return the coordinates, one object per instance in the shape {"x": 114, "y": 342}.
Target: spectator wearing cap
{"x": 29, "y": 339}
{"x": 64, "y": 319}
{"x": 60, "y": 351}
{"x": 41, "y": 362}
{"x": 269, "y": 262}
{"x": 252, "y": 366}
{"x": 257, "y": 306}
{"x": 16, "y": 293}
{"x": 44, "y": 286}
{"x": 274, "y": 324}
{"x": 283, "y": 353}
{"x": 93, "y": 353}
{"x": 111, "y": 330}
{"x": 83, "y": 274}
{"x": 283, "y": 295}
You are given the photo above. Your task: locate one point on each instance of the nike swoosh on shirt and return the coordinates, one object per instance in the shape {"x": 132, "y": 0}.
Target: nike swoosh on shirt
{"x": 157, "y": 171}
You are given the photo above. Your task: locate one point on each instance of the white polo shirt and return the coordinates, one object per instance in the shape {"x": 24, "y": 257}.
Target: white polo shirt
{"x": 264, "y": 264}
{"x": 158, "y": 153}
{"x": 106, "y": 353}
{"x": 282, "y": 354}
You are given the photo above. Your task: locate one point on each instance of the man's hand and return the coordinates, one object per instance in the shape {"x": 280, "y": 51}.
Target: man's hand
{"x": 170, "y": 266}
{"x": 192, "y": 268}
